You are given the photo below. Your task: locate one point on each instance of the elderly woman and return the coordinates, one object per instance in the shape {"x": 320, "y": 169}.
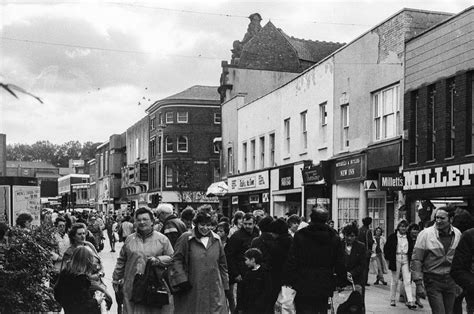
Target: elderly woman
{"x": 74, "y": 289}
{"x": 200, "y": 270}
{"x": 398, "y": 251}
{"x": 139, "y": 247}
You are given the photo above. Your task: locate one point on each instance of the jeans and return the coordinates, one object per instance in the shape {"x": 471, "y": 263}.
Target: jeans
{"x": 441, "y": 292}
{"x": 379, "y": 266}
{"x": 403, "y": 267}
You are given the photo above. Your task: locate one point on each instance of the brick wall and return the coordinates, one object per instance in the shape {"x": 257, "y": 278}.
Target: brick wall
{"x": 269, "y": 50}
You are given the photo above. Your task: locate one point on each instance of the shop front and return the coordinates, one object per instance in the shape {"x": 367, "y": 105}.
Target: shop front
{"x": 249, "y": 192}
{"x": 349, "y": 197}
{"x": 287, "y": 195}
{"x": 432, "y": 187}
{"x": 317, "y": 188}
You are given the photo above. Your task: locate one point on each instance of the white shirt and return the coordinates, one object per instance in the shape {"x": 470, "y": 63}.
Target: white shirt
{"x": 402, "y": 244}
{"x": 204, "y": 241}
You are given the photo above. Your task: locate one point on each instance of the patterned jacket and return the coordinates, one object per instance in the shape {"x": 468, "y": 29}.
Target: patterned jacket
{"x": 429, "y": 255}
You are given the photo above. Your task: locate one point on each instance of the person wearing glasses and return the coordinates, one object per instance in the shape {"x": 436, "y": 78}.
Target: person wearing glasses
{"x": 431, "y": 262}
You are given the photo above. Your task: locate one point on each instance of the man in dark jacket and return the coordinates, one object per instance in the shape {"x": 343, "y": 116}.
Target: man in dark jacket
{"x": 462, "y": 268}
{"x": 365, "y": 236}
{"x": 173, "y": 227}
{"x": 236, "y": 246}
{"x": 315, "y": 255}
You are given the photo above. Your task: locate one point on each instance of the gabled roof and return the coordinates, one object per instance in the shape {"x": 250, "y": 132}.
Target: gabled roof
{"x": 196, "y": 92}
{"x": 310, "y": 50}
{"x": 30, "y": 164}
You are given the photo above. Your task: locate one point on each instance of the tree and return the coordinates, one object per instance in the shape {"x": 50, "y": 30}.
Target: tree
{"x": 88, "y": 150}
{"x": 187, "y": 180}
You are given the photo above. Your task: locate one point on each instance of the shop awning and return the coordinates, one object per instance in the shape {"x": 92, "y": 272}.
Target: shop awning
{"x": 219, "y": 188}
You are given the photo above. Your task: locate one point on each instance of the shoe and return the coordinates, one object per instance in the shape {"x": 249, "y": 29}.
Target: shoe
{"x": 420, "y": 305}
{"x": 383, "y": 282}
{"x": 376, "y": 282}
{"x": 392, "y": 303}
{"x": 367, "y": 285}
{"x": 411, "y": 305}
{"x": 112, "y": 250}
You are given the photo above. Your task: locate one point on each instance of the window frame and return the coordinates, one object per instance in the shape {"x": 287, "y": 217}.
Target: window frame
{"x": 152, "y": 147}
{"x": 244, "y": 156}
{"x": 178, "y": 117}
{"x": 304, "y": 130}
{"x": 287, "y": 135}
{"x": 178, "y": 143}
{"x": 168, "y": 176}
{"x": 169, "y": 117}
{"x": 217, "y": 118}
{"x": 169, "y": 143}
{"x": 261, "y": 145}
{"x": 345, "y": 122}
{"x": 253, "y": 156}
{"x": 153, "y": 123}
{"x": 386, "y": 120}
{"x": 271, "y": 148}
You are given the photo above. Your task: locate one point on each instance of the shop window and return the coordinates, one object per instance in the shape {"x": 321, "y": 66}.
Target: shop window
{"x": 347, "y": 211}
{"x": 376, "y": 210}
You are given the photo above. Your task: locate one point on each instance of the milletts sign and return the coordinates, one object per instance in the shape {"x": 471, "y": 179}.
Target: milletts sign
{"x": 439, "y": 177}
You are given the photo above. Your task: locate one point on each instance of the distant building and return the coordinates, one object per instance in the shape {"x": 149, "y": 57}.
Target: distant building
{"x": 75, "y": 187}
{"x": 46, "y": 174}
{"x": 183, "y": 128}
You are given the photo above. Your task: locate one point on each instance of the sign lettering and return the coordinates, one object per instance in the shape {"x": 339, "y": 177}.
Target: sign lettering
{"x": 439, "y": 177}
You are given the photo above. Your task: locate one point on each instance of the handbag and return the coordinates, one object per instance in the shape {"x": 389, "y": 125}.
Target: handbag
{"x": 149, "y": 289}
{"x": 285, "y": 303}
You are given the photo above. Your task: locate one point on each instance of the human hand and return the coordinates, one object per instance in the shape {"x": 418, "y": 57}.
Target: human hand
{"x": 238, "y": 278}
{"x": 99, "y": 296}
{"x": 420, "y": 290}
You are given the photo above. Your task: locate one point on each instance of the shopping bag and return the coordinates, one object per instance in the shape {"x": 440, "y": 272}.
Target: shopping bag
{"x": 285, "y": 302}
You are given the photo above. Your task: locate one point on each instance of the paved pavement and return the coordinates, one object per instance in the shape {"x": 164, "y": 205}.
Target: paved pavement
{"x": 377, "y": 297}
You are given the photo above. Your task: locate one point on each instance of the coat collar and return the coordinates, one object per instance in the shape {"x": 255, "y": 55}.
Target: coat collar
{"x": 212, "y": 235}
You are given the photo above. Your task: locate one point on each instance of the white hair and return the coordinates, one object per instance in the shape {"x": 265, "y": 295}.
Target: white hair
{"x": 164, "y": 208}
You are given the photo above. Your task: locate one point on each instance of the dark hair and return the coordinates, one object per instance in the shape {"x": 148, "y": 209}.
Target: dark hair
{"x": 202, "y": 217}
{"x": 378, "y": 228}
{"x": 255, "y": 254}
{"x": 319, "y": 214}
{"x": 224, "y": 219}
{"x": 448, "y": 209}
{"x": 224, "y": 226}
{"x": 402, "y": 222}
{"x": 22, "y": 219}
{"x": 366, "y": 221}
{"x": 144, "y": 210}
{"x": 351, "y": 228}
{"x": 187, "y": 214}
{"x": 73, "y": 231}
{"x": 60, "y": 218}
{"x": 413, "y": 226}
{"x": 238, "y": 215}
{"x": 279, "y": 226}
{"x": 3, "y": 230}
{"x": 264, "y": 224}
{"x": 249, "y": 216}
{"x": 293, "y": 219}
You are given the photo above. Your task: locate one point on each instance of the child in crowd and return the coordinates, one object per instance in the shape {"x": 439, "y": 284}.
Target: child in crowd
{"x": 255, "y": 286}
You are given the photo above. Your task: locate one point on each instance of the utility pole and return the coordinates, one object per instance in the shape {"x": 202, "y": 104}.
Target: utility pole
{"x": 162, "y": 151}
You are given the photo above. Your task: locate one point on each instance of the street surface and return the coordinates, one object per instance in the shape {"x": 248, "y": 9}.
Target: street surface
{"x": 377, "y": 298}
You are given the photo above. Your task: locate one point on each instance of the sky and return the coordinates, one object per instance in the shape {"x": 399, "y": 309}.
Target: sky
{"x": 97, "y": 65}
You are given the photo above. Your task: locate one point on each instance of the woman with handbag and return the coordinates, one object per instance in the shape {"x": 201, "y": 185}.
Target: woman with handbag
{"x": 199, "y": 275}
{"x": 139, "y": 248}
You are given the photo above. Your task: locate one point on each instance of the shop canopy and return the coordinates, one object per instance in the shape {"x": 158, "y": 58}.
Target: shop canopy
{"x": 219, "y": 188}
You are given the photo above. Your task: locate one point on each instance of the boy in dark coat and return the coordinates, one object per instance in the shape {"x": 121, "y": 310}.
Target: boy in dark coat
{"x": 254, "y": 290}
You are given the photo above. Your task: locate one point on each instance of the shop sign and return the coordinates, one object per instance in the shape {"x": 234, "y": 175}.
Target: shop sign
{"x": 350, "y": 168}
{"x": 265, "y": 198}
{"x": 439, "y": 177}
{"x": 254, "y": 199}
{"x": 313, "y": 175}
{"x": 235, "y": 200}
{"x": 249, "y": 182}
{"x": 286, "y": 178}
{"x": 323, "y": 201}
{"x": 391, "y": 181}
{"x": 370, "y": 185}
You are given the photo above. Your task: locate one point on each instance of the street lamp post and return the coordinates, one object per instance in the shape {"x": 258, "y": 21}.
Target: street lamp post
{"x": 162, "y": 151}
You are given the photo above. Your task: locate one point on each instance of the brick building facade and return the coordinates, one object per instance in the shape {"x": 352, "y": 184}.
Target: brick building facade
{"x": 438, "y": 115}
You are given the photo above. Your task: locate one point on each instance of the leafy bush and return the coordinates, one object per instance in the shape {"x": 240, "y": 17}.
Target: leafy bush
{"x": 25, "y": 271}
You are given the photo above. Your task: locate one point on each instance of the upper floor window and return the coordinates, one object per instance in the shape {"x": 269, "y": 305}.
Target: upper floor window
{"x": 169, "y": 117}
{"x": 153, "y": 147}
{"x": 413, "y": 131}
{"x": 470, "y": 104}
{"x": 271, "y": 149}
{"x": 252, "y": 154}
{"x": 262, "y": 151}
{"x": 182, "y": 144}
{"x": 244, "y": 157}
{"x": 323, "y": 114}
{"x": 153, "y": 123}
{"x": 287, "y": 135}
{"x": 159, "y": 144}
{"x": 168, "y": 177}
{"x": 430, "y": 123}
{"x": 216, "y": 148}
{"x": 304, "y": 131}
{"x": 169, "y": 144}
{"x": 217, "y": 118}
{"x": 160, "y": 118}
{"x": 451, "y": 132}
{"x": 345, "y": 125}
{"x": 386, "y": 113}
{"x": 182, "y": 117}
{"x": 230, "y": 160}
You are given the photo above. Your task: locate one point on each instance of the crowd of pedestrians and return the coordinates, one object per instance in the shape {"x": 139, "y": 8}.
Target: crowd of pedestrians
{"x": 207, "y": 263}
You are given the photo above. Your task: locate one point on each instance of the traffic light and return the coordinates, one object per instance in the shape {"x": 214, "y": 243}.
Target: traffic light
{"x": 155, "y": 200}
{"x": 132, "y": 206}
